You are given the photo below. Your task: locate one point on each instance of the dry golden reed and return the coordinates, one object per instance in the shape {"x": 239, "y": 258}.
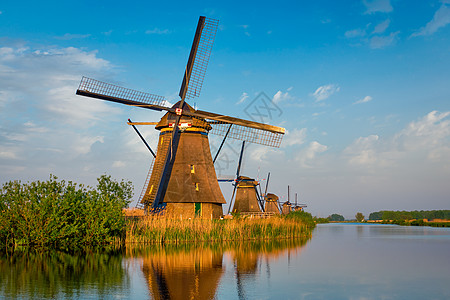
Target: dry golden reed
{"x": 154, "y": 229}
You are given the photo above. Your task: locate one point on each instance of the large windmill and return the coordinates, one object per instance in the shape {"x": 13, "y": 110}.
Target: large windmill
{"x": 183, "y": 178}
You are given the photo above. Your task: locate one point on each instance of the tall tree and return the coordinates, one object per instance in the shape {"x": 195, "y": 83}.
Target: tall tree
{"x": 359, "y": 217}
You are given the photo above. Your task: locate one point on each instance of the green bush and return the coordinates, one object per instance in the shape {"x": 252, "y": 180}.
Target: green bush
{"x": 62, "y": 215}
{"x": 302, "y": 216}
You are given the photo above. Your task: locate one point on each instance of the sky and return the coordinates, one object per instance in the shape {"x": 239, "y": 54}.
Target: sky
{"x": 362, "y": 88}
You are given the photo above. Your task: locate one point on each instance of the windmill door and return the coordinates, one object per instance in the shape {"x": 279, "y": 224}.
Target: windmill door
{"x": 198, "y": 209}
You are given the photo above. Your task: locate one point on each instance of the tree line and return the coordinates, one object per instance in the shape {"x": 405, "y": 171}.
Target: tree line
{"x": 410, "y": 215}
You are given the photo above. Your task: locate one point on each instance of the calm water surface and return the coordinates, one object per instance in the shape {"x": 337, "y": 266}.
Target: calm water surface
{"x": 341, "y": 261}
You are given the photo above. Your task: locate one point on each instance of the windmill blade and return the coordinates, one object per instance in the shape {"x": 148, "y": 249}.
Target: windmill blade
{"x": 248, "y": 134}
{"x": 221, "y": 145}
{"x": 249, "y": 131}
{"x": 240, "y": 160}
{"x": 198, "y": 58}
{"x": 267, "y": 184}
{"x": 238, "y": 170}
{"x": 105, "y": 91}
{"x": 232, "y": 197}
{"x": 260, "y": 202}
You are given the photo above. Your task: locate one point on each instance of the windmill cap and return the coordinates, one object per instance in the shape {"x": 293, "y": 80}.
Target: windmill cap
{"x": 271, "y": 197}
{"x": 169, "y": 118}
{"x": 245, "y": 181}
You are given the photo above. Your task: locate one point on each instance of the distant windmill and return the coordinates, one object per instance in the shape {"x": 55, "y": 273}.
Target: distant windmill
{"x": 271, "y": 200}
{"x": 182, "y": 179}
{"x": 245, "y": 193}
{"x": 287, "y": 206}
{"x": 298, "y": 206}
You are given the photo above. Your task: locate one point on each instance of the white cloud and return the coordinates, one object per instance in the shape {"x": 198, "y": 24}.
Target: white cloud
{"x": 355, "y": 33}
{"x": 83, "y": 144}
{"x": 325, "y": 91}
{"x": 380, "y": 28}
{"x": 243, "y": 97}
{"x": 7, "y": 154}
{"x": 373, "y": 6}
{"x": 118, "y": 164}
{"x": 48, "y": 78}
{"x": 378, "y": 42}
{"x": 308, "y": 156}
{"x": 294, "y": 137}
{"x": 280, "y": 96}
{"x": 71, "y": 36}
{"x": 364, "y": 100}
{"x": 157, "y": 31}
{"x": 422, "y": 140}
{"x": 245, "y": 27}
{"x": 430, "y": 132}
{"x": 440, "y": 19}
{"x": 362, "y": 151}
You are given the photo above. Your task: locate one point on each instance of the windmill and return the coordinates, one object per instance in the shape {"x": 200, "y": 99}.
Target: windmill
{"x": 287, "y": 206}
{"x": 298, "y": 206}
{"x": 245, "y": 192}
{"x": 271, "y": 200}
{"x": 182, "y": 178}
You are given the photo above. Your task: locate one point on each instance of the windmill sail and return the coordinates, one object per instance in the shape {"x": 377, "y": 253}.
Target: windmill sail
{"x": 198, "y": 58}
{"x": 105, "y": 91}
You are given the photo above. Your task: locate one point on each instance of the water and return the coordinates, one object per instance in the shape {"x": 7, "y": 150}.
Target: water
{"x": 341, "y": 261}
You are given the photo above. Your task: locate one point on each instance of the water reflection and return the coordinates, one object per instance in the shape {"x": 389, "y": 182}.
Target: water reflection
{"x": 181, "y": 272}
{"x": 189, "y": 271}
{"x": 195, "y": 271}
{"x": 52, "y": 274}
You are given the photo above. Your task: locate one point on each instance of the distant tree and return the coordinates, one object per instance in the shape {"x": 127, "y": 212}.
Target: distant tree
{"x": 359, "y": 217}
{"x": 336, "y": 218}
{"x": 376, "y": 215}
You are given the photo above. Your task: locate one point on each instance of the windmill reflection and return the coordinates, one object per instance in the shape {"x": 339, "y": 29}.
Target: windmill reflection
{"x": 184, "y": 272}
{"x": 195, "y": 271}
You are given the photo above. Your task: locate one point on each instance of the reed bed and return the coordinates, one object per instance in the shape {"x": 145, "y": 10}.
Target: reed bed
{"x": 161, "y": 230}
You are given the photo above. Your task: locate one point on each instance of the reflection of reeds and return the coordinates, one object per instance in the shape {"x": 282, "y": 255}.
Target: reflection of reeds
{"x": 151, "y": 229}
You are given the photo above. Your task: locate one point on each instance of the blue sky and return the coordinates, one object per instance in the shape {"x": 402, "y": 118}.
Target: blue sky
{"x": 363, "y": 89}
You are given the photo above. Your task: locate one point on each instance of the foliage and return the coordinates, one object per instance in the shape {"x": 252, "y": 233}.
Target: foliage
{"x": 410, "y": 215}
{"x": 321, "y": 220}
{"x": 301, "y": 216}
{"x": 420, "y": 222}
{"x": 336, "y": 218}
{"x": 359, "y": 217}
{"x": 62, "y": 215}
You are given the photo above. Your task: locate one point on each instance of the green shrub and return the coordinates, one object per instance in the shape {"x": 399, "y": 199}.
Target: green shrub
{"x": 62, "y": 215}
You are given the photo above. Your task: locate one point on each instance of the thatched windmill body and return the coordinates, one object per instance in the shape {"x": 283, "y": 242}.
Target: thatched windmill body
{"x": 183, "y": 180}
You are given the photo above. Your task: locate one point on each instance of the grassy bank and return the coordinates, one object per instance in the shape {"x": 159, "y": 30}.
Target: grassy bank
{"x": 64, "y": 215}
{"x": 151, "y": 229}
{"x": 416, "y": 223}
